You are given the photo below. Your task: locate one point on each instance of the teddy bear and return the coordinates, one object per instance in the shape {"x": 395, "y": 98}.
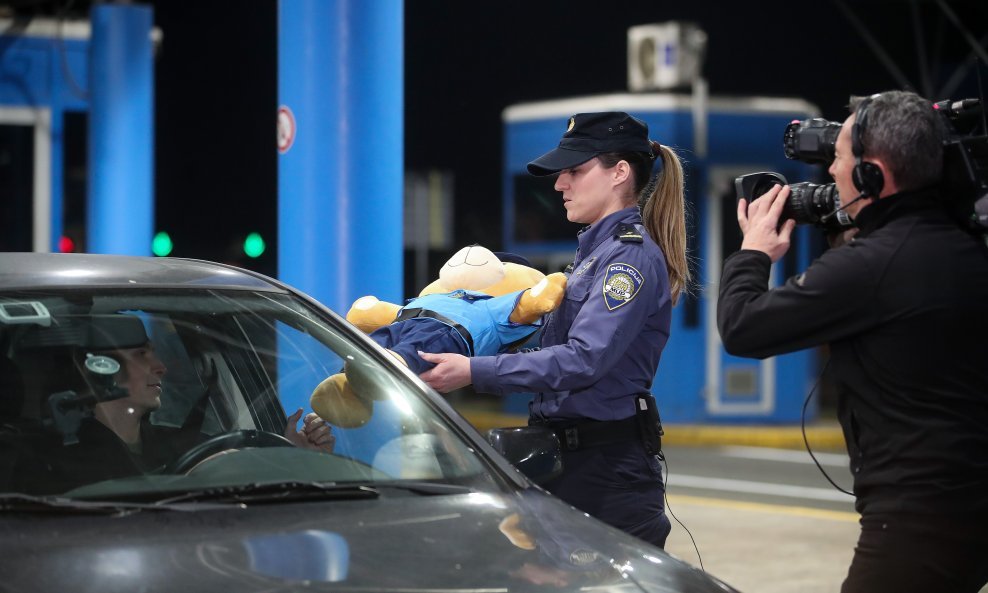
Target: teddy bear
{"x": 479, "y": 306}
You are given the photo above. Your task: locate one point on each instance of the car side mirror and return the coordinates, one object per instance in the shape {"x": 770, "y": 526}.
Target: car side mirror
{"x": 534, "y": 450}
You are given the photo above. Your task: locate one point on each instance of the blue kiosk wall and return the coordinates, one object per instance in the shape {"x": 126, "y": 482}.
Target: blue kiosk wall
{"x": 697, "y": 381}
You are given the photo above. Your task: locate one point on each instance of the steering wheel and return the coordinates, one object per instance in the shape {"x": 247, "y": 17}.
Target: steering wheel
{"x": 235, "y": 439}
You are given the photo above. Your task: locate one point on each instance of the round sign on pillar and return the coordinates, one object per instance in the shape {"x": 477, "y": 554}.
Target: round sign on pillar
{"x": 286, "y": 129}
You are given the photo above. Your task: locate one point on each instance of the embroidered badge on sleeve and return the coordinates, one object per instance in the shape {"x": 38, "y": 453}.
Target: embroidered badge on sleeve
{"x": 621, "y": 284}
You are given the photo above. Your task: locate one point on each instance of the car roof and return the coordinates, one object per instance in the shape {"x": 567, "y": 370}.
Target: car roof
{"x": 65, "y": 270}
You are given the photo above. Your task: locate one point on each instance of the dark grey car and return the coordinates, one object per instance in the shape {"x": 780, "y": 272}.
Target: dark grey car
{"x": 212, "y": 497}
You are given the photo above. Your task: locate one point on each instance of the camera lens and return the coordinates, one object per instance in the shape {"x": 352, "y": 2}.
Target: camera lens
{"x": 810, "y": 140}
{"x": 812, "y": 203}
{"x": 808, "y": 202}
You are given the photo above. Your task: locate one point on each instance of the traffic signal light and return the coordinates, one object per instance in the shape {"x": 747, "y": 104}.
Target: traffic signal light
{"x": 162, "y": 245}
{"x": 254, "y": 245}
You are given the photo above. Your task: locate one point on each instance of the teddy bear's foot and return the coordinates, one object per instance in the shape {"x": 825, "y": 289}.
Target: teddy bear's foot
{"x": 365, "y": 381}
{"x": 335, "y": 402}
{"x": 368, "y": 313}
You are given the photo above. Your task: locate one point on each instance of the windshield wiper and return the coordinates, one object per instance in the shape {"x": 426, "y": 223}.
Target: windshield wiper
{"x": 254, "y": 493}
{"x": 269, "y": 492}
{"x": 14, "y": 502}
{"x": 426, "y": 488}
{"x": 274, "y": 492}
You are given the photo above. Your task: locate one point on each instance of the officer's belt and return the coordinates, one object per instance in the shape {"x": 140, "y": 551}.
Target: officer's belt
{"x": 406, "y": 314}
{"x": 596, "y": 433}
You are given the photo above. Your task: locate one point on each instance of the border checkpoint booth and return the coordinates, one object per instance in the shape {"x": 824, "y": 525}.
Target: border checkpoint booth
{"x": 717, "y": 140}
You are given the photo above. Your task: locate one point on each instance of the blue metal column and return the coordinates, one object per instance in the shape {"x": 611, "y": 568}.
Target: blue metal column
{"x": 120, "y": 215}
{"x": 340, "y": 172}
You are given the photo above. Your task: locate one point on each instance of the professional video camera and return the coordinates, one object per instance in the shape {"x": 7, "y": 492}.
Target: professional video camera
{"x": 964, "y": 184}
{"x": 808, "y": 203}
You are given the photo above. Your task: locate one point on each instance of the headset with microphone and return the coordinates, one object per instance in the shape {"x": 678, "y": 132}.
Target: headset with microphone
{"x": 866, "y": 176}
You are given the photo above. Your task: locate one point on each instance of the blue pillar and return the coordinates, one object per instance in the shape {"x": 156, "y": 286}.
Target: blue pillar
{"x": 120, "y": 215}
{"x": 340, "y": 171}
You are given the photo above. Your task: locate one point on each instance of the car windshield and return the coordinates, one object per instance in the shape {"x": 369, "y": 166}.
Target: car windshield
{"x": 152, "y": 394}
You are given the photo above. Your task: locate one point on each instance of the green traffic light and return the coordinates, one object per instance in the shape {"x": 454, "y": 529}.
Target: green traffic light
{"x": 254, "y": 245}
{"x": 161, "y": 245}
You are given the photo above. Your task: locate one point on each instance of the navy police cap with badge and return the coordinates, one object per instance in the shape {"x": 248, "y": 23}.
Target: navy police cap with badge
{"x": 590, "y": 134}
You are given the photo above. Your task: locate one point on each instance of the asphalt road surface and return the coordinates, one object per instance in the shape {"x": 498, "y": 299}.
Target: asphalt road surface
{"x": 763, "y": 520}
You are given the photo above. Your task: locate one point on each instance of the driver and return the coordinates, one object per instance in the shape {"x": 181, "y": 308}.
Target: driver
{"x": 120, "y": 441}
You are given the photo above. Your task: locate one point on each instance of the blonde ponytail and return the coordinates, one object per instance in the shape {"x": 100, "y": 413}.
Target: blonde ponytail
{"x": 664, "y": 216}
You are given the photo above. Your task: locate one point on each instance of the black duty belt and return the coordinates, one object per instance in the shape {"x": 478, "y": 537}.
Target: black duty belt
{"x": 406, "y": 314}
{"x": 596, "y": 433}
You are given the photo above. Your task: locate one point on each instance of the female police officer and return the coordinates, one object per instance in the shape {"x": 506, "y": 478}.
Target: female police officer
{"x": 600, "y": 349}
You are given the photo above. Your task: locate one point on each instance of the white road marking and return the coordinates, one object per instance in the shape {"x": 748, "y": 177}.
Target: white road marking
{"x": 748, "y": 487}
{"x": 787, "y": 455}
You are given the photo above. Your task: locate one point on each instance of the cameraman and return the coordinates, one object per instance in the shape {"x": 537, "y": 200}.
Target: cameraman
{"x": 904, "y": 307}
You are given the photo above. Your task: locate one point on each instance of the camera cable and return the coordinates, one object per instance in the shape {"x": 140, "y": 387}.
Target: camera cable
{"x": 803, "y": 428}
{"x": 665, "y": 495}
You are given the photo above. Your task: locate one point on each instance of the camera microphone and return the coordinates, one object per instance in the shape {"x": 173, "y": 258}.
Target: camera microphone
{"x": 840, "y": 211}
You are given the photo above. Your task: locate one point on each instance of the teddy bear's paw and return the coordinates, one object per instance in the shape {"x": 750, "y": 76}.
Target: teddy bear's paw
{"x": 335, "y": 402}
{"x": 551, "y": 290}
{"x": 542, "y": 298}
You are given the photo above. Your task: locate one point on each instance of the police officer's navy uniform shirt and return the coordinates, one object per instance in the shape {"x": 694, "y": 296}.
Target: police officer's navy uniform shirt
{"x": 601, "y": 347}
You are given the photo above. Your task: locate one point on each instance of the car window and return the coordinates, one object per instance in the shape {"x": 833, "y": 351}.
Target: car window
{"x": 205, "y": 379}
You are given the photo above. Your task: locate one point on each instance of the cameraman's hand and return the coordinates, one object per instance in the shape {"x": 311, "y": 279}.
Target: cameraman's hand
{"x": 759, "y": 222}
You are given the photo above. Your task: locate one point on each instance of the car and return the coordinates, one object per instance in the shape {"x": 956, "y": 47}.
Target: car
{"x": 415, "y": 499}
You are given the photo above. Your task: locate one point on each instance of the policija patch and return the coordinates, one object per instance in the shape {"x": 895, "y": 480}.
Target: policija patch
{"x": 621, "y": 284}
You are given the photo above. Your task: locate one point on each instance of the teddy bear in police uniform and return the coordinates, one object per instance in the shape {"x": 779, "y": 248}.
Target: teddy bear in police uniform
{"x": 479, "y": 306}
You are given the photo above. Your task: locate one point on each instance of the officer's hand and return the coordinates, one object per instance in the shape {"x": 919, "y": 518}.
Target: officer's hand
{"x": 452, "y": 371}
{"x": 759, "y": 222}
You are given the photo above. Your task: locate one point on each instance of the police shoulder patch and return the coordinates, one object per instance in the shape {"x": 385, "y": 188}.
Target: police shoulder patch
{"x": 621, "y": 284}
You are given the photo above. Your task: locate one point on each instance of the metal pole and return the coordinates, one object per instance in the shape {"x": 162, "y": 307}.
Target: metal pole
{"x": 120, "y": 213}
{"x": 340, "y": 171}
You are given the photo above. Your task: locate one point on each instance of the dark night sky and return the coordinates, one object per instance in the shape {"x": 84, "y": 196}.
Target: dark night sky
{"x": 466, "y": 61}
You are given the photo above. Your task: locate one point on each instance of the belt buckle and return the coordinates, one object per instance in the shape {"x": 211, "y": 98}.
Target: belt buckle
{"x": 572, "y": 438}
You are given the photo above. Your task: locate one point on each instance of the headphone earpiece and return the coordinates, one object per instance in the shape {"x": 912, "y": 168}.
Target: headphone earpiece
{"x": 867, "y": 177}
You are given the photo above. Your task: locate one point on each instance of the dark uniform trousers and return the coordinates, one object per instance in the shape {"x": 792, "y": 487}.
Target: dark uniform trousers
{"x": 618, "y": 483}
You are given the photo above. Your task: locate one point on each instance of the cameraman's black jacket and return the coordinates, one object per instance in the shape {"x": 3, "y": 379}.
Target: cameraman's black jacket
{"x": 904, "y": 307}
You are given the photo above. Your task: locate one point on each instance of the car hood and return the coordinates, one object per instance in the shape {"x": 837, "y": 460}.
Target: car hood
{"x": 464, "y": 542}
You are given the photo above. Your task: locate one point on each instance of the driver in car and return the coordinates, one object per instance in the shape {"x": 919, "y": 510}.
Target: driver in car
{"x": 120, "y": 441}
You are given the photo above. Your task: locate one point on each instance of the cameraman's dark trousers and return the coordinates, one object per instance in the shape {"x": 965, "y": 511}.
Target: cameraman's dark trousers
{"x": 903, "y": 553}
{"x": 609, "y": 474}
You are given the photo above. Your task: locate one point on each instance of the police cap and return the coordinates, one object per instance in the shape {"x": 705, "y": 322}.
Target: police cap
{"x": 590, "y": 134}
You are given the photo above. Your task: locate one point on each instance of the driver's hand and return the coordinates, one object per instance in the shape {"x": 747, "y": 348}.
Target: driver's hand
{"x": 316, "y": 433}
